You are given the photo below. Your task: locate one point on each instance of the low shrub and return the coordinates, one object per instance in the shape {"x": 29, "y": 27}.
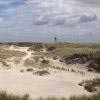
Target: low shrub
{"x": 45, "y": 61}
{"x": 51, "y": 48}
{"x": 29, "y": 70}
{"x": 41, "y": 72}
{"x": 90, "y": 85}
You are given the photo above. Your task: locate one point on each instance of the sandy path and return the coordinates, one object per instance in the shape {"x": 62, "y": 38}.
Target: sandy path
{"x": 58, "y": 84}
{"x": 21, "y": 64}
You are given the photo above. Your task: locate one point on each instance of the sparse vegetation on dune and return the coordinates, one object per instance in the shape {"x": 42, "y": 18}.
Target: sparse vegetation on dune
{"x": 4, "y": 54}
{"x": 74, "y": 53}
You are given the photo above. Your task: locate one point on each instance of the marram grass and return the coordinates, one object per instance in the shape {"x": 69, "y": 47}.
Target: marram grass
{"x": 6, "y": 96}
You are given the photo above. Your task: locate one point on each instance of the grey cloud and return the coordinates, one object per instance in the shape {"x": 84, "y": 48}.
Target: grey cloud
{"x": 59, "y": 21}
{"x": 43, "y": 20}
{"x": 89, "y": 2}
{"x": 86, "y": 18}
{"x": 65, "y": 21}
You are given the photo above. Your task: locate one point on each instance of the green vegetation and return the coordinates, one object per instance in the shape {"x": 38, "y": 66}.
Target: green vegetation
{"x": 6, "y": 96}
{"x": 90, "y": 85}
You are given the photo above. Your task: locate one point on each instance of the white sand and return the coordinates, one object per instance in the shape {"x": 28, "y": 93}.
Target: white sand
{"x": 58, "y": 84}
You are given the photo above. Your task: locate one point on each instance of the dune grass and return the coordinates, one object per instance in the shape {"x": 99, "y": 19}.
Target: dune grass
{"x": 4, "y": 54}
{"x": 92, "y": 97}
{"x": 68, "y": 49}
{"x": 65, "y": 51}
{"x": 29, "y": 62}
{"x": 6, "y": 96}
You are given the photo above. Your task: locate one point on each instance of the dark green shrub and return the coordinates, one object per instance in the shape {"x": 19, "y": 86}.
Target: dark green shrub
{"x": 29, "y": 70}
{"x": 45, "y": 61}
{"x": 51, "y": 48}
{"x": 41, "y": 73}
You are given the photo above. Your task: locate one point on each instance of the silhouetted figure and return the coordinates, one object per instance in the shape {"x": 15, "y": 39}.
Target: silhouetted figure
{"x": 55, "y": 39}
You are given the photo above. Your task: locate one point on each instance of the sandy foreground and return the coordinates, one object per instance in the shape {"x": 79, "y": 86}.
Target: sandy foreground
{"x": 56, "y": 84}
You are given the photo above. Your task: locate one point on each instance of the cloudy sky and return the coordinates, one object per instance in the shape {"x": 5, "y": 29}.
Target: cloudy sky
{"x": 42, "y": 20}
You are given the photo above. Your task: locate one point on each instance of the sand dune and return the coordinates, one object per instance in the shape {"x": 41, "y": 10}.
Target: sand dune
{"x": 56, "y": 84}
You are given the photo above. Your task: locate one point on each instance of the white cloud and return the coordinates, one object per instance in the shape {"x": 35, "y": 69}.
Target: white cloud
{"x": 64, "y": 13}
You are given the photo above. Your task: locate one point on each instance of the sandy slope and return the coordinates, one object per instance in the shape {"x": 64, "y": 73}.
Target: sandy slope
{"x": 58, "y": 84}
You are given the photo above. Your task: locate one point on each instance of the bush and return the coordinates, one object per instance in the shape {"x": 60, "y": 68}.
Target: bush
{"x": 89, "y": 88}
{"x": 90, "y": 85}
{"x": 51, "y": 48}
{"x": 42, "y": 72}
{"x": 29, "y": 70}
{"x": 45, "y": 61}
{"x": 76, "y": 58}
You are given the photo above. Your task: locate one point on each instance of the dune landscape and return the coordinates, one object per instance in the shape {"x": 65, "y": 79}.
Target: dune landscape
{"x": 49, "y": 49}
{"x": 51, "y": 70}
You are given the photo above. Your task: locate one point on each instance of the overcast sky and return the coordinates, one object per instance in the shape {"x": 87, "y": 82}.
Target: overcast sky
{"x": 42, "y": 20}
